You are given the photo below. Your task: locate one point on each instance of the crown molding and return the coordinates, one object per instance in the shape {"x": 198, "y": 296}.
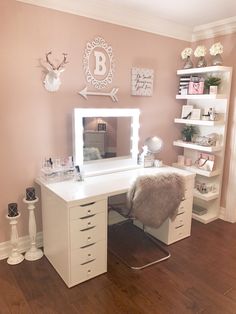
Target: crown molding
{"x": 143, "y": 21}
{"x": 211, "y": 30}
{"x": 114, "y": 13}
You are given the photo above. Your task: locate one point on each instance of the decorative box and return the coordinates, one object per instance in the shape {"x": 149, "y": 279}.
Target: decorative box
{"x": 196, "y": 88}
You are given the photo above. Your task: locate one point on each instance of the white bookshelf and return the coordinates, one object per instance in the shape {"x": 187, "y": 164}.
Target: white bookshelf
{"x": 199, "y": 171}
{"x": 220, "y": 102}
{"x": 209, "y": 149}
{"x": 204, "y": 96}
{"x": 199, "y": 122}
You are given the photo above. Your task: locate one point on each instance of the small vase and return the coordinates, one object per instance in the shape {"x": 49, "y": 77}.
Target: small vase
{"x": 188, "y": 63}
{"x": 201, "y": 62}
{"x": 188, "y": 138}
{"x": 213, "y": 90}
{"x": 217, "y": 59}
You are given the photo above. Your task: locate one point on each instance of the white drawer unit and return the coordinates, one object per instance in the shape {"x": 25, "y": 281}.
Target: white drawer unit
{"x": 173, "y": 230}
{"x": 75, "y": 237}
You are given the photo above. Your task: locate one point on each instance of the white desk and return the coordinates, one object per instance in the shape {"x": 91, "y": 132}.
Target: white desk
{"x": 75, "y": 221}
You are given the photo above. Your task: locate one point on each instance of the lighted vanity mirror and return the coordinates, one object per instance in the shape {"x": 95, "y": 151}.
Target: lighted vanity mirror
{"x": 105, "y": 140}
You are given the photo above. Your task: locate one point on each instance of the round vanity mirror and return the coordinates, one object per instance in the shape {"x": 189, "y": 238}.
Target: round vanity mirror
{"x": 154, "y": 144}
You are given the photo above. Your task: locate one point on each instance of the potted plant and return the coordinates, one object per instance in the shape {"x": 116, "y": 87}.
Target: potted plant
{"x": 188, "y": 131}
{"x": 211, "y": 84}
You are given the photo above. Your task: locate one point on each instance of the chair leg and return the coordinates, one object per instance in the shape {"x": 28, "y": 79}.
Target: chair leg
{"x": 166, "y": 252}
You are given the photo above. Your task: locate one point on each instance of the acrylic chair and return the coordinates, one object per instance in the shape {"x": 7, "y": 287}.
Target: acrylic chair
{"x": 150, "y": 201}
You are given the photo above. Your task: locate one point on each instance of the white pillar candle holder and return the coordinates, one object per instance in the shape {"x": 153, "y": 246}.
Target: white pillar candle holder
{"x": 15, "y": 256}
{"x": 33, "y": 253}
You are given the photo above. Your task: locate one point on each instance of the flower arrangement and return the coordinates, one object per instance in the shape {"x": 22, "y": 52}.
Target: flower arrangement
{"x": 216, "y": 49}
{"x": 200, "y": 51}
{"x": 186, "y": 53}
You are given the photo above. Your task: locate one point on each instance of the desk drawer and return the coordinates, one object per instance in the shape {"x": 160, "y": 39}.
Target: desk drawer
{"x": 185, "y": 206}
{"x": 84, "y": 255}
{"x": 179, "y": 232}
{"x": 189, "y": 185}
{"x": 81, "y": 238}
{"x": 80, "y": 273}
{"x": 88, "y": 209}
{"x": 89, "y": 222}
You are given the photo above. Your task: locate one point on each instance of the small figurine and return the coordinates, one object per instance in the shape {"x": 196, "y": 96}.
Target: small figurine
{"x": 143, "y": 155}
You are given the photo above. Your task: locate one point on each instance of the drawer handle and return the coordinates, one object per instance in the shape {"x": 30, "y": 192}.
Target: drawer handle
{"x": 179, "y": 227}
{"x": 88, "y": 204}
{"x": 89, "y": 238}
{"x": 89, "y": 223}
{"x": 88, "y": 216}
{"x": 87, "y": 228}
{"x": 89, "y": 254}
{"x": 87, "y": 245}
{"x": 92, "y": 260}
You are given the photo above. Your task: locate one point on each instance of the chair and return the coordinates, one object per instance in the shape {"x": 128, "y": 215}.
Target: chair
{"x": 150, "y": 201}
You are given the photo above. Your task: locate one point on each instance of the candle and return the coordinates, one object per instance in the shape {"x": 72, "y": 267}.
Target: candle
{"x": 30, "y": 194}
{"x": 12, "y": 210}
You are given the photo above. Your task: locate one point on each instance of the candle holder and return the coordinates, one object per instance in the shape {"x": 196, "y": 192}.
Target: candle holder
{"x": 15, "y": 256}
{"x": 33, "y": 253}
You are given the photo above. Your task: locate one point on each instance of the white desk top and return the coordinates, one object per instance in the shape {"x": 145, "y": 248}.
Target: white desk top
{"x": 102, "y": 186}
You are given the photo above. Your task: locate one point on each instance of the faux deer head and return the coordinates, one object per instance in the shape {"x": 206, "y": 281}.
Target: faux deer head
{"x": 52, "y": 80}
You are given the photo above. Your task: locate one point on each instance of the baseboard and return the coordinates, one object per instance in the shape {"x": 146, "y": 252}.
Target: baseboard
{"x": 225, "y": 216}
{"x": 23, "y": 245}
{"x": 222, "y": 213}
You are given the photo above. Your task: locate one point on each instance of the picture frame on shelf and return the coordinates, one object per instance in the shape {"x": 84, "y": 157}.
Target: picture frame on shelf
{"x": 186, "y": 112}
{"x": 196, "y": 114}
{"x": 102, "y": 127}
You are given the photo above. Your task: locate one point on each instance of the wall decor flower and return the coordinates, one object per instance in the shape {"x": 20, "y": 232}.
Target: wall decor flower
{"x": 216, "y": 49}
{"x": 200, "y": 53}
{"x": 185, "y": 55}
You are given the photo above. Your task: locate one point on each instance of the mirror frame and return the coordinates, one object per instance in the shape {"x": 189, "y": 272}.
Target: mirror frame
{"x": 108, "y": 165}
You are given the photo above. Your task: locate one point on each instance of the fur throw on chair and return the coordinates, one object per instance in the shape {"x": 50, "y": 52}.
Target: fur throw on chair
{"x": 154, "y": 198}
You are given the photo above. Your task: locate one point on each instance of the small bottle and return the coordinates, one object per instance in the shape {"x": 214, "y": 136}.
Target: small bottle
{"x": 78, "y": 174}
{"x": 212, "y": 114}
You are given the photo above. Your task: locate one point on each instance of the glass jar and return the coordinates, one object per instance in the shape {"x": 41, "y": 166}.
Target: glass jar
{"x": 217, "y": 59}
{"x": 188, "y": 63}
{"x": 201, "y": 62}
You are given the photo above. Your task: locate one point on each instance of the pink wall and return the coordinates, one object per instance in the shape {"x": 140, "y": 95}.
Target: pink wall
{"x": 35, "y": 124}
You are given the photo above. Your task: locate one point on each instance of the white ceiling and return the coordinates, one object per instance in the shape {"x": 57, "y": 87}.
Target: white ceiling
{"x": 186, "y": 12}
{"x": 179, "y": 19}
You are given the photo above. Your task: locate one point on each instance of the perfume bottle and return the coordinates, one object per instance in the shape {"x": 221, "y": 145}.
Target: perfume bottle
{"x": 78, "y": 174}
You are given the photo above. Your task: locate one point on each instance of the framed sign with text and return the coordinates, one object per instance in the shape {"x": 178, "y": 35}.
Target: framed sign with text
{"x": 142, "y": 82}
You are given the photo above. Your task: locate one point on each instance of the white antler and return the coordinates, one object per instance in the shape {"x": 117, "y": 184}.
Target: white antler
{"x": 52, "y": 80}
{"x": 64, "y": 61}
